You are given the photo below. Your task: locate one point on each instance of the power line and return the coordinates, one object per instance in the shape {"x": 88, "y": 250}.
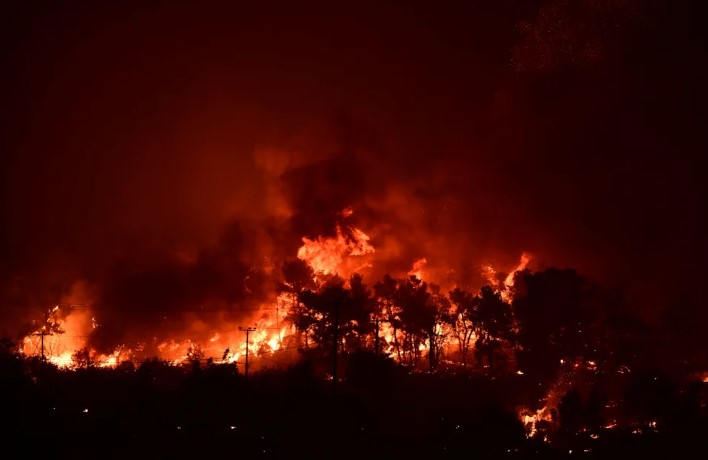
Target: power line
{"x": 42, "y": 334}
{"x": 247, "y": 330}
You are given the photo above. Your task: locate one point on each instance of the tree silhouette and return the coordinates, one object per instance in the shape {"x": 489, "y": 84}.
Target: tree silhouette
{"x": 438, "y": 335}
{"x": 297, "y": 277}
{"x": 81, "y": 358}
{"x": 387, "y": 310}
{"x": 319, "y": 310}
{"x": 360, "y": 313}
{"x": 494, "y": 318}
{"x": 418, "y": 317}
{"x": 553, "y": 319}
{"x": 462, "y": 319}
{"x": 7, "y": 347}
{"x": 195, "y": 354}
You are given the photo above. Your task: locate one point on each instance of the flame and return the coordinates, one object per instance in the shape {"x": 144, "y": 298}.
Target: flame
{"x": 119, "y": 355}
{"x": 386, "y": 338}
{"x": 64, "y": 360}
{"x": 327, "y": 255}
{"x": 65, "y": 330}
{"x": 67, "y": 327}
{"x": 531, "y": 419}
{"x": 417, "y": 269}
{"x": 523, "y": 262}
{"x": 505, "y": 287}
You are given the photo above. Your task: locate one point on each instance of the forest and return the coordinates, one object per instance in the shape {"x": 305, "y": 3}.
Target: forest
{"x": 547, "y": 364}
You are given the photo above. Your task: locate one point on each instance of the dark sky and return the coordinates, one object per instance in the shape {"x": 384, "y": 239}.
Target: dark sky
{"x": 197, "y": 131}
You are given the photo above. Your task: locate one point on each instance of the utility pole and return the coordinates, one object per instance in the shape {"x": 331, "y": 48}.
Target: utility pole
{"x": 42, "y": 334}
{"x": 277, "y": 321}
{"x": 376, "y": 339}
{"x": 247, "y": 330}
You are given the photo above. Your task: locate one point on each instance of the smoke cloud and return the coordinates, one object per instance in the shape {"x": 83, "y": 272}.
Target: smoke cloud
{"x": 171, "y": 158}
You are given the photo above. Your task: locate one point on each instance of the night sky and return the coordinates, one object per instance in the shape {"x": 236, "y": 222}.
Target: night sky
{"x": 216, "y": 135}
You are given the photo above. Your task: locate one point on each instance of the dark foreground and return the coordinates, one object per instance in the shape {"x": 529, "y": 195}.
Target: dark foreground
{"x": 380, "y": 410}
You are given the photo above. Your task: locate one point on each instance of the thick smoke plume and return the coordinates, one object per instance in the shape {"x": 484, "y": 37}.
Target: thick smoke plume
{"x": 173, "y": 158}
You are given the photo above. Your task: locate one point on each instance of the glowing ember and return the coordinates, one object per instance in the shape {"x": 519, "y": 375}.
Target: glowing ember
{"x": 531, "y": 420}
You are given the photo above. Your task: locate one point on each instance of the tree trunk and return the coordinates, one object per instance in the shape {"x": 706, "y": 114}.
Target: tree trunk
{"x": 431, "y": 350}
{"x": 468, "y": 336}
{"x": 396, "y": 344}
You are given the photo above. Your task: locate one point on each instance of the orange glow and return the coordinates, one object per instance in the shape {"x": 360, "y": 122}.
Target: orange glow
{"x": 523, "y": 262}
{"x": 70, "y": 331}
{"x": 417, "y": 269}
{"x": 491, "y": 275}
{"x": 330, "y": 255}
{"x": 66, "y": 330}
{"x": 222, "y": 342}
{"x": 532, "y": 418}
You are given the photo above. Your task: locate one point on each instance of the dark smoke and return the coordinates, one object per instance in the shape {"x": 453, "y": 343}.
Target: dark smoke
{"x": 174, "y": 156}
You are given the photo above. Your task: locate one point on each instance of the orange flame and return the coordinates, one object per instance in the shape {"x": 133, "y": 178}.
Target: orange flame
{"x": 417, "y": 269}
{"x": 327, "y": 255}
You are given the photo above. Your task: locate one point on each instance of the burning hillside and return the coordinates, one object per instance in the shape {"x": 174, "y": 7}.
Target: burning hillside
{"x": 71, "y": 333}
{"x": 443, "y": 209}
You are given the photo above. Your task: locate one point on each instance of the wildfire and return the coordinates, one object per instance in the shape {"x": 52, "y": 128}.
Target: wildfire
{"x": 417, "y": 269}
{"x": 67, "y": 328}
{"x": 523, "y": 262}
{"x": 327, "y": 256}
{"x": 532, "y": 419}
{"x": 492, "y": 277}
{"x": 121, "y": 354}
{"x": 62, "y": 333}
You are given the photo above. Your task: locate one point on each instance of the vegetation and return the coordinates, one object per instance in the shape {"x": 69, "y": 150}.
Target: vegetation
{"x": 557, "y": 369}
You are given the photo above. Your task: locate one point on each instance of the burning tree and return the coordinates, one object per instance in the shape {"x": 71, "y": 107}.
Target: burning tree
{"x": 418, "y": 317}
{"x": 463, "y": 320}
{"x": 360, "y": 313}
{"x": 494, "y": 319}
{"x": 81, "y": 358}
{"x": 321, "y": 310}
{"x": 298, "y": 277}
{"x": 440, "y": 335}
{"x": 388, "y": 311}
{"x": 349, "y": 307}
{"x": 195, "y": 354}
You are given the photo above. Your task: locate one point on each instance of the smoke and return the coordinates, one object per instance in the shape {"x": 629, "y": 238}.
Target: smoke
{"x": 175, "y": 157}
{"x": 566, "y": 33}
